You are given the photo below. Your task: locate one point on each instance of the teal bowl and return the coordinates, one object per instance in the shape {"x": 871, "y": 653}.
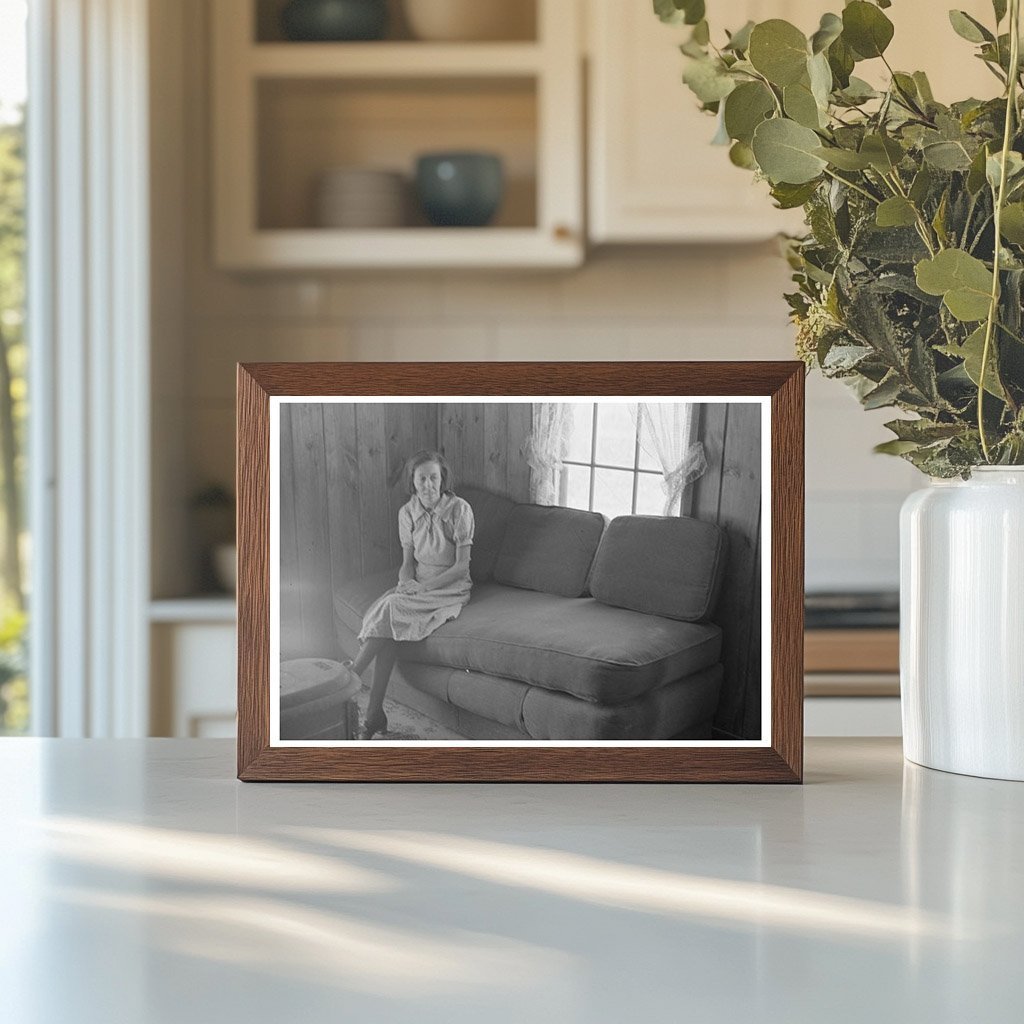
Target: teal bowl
{"x": 333, "y": 21}
{"x": 462, "y": 190}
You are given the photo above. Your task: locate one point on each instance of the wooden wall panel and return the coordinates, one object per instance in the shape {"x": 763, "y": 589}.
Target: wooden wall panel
{"x": 291, "y": 607}
{"x": 740, "y": 515}
{"x": 484, "y": 445}
{"x": 520, "y": 423}
{"x": 377, "y": 526}
{"x": 729, "y": 493}
{"x": 309, "y": 466}
{"x": 495, "y": 447}
{"x": 342, "y": 485}
{"x": 343, "y": 515}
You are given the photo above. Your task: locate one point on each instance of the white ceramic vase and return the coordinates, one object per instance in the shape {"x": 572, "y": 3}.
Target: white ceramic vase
{"x": 962, "y": 624}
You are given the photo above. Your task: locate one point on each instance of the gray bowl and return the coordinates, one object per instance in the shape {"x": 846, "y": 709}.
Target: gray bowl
{"x": 460, "y": 189}
{"x": 334, "y": 20}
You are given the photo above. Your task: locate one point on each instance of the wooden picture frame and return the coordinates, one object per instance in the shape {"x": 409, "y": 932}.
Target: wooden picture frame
{"x": 776, "y": 755}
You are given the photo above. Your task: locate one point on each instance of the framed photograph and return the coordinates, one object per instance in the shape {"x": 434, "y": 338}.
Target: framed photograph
{"x": 518, "y": 572}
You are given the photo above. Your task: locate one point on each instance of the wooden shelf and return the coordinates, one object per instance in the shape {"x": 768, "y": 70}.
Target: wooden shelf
{"x": 401, "y": 247}
{"x": 392, "y": 60}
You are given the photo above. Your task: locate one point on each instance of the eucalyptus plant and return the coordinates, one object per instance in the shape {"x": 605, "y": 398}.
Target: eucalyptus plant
{"x": 910, "y": 278}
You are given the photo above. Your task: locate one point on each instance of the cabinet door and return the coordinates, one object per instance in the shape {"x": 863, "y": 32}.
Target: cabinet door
{"x": 653, "y": 174}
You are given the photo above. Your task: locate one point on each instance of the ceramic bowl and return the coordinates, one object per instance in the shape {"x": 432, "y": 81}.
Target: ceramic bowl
{"x": 460, "y": 189}
{"x": 470, "y": 20}
{"x": 334, "y": 20}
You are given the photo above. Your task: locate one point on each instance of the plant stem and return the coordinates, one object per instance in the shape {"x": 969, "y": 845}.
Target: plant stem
{"x": 922, "y": 225}
{"x": 1011, "y": 110}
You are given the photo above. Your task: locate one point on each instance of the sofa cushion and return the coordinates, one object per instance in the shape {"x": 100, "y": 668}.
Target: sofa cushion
{"x": 490, "y": 514}
{"x": 670, "y": 566}
{"x": 548, "y": 548}
{"x": 574, "y": 645}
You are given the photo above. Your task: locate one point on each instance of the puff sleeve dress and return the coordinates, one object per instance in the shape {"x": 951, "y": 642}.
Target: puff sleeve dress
{"x": 435, "y": 536}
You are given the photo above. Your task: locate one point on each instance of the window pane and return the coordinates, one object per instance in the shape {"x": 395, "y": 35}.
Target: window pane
{"x": 613, "y": 492}
{"x": 14, "y": 696}
{"x": 616, "y": 434}
{"x": 582, "y": 431}
{"x": 650, "y": 498}
{"x": 577, "y": 487}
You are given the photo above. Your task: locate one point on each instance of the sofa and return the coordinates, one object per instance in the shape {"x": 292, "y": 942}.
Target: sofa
{"x": 577, "y": 628}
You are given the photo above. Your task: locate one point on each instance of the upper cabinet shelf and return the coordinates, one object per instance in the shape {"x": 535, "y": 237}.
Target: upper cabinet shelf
{"x": 394, "y": 59}
{"x": 294, "y": 122}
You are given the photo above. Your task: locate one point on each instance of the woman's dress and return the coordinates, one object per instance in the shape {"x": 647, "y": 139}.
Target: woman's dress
{"x": 435, "y": 536}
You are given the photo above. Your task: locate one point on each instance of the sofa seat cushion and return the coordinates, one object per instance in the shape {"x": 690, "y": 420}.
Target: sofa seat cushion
{"x": 660, "y": 565}
{"x": 573, "y": 645}
{"x": 508, "y": 709}
{"x": 549, "y": 549}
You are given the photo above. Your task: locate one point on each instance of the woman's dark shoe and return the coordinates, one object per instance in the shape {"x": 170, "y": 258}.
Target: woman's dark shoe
{"x": 373, "y": 725}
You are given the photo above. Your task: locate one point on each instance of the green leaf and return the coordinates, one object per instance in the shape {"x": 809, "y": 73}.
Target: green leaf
{"x": 946, "y": 156}
{"x": 924, "y": 88}
{"x": 858, "y": 91}
{"x": 971, "y": 352}
{"x": 885, "y": 394}
{"x": 820, "y": 75}
{"x": 999, "y": 7}
{"x": 841, "y": 60}
{"x": 976, "y": 174}
{"x": 1011, "y": 225}
{"x": 866, "y": 29}
{"x": 745, "y": 108}
{"x": 789, "y": 197}
{"x": 896, "y": 212}
{"x": 785, "y": 152}
{"x": 968, "y": 28}
{"x": 800, "y": 105}
{"x": 676, "y": 12}
{"x": 921, "y": 185}
{"x": 830, "y": 28}
{"x": 844, "y": 159}
{"x": 707, "y": 80}
{"x": 701, "y": 33}
{"x": 963, "y": 281}
{"x": 895, "y": 447}
{"x": 994, "y": 167}
{"x": 739, "y": 41}
{"x": 939, "y": 220}
{"x": 742, "y": 155}
{"x": 923, "y": 431}
{"x": 778, "y": 50}
{"x": 883, "y": 153}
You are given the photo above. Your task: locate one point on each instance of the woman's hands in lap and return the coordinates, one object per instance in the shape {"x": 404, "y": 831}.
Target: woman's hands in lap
{"x": 410, "y": 587}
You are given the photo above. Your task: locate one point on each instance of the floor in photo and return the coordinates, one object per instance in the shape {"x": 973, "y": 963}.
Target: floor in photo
{"x": 404, "y": 723}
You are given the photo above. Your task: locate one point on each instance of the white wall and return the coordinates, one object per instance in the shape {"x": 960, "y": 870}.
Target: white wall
{"x": 721, "y": 302}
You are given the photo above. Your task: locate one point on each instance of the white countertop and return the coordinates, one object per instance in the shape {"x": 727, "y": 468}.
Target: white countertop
{"x": 143, "y": 884}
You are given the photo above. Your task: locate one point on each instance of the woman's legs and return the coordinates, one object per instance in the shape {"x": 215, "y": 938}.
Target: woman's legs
{"x": 369, "y": 650}
{"x": 376, "y": 720}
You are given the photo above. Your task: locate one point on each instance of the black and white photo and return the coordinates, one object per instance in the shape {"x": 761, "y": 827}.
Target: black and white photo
{"x": 579, "y": 570}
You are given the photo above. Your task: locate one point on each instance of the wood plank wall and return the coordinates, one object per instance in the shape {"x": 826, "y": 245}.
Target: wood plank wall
{"x": 729, "y": 494}
{"x": 342, "y": 486}
{"x": 484, "y": 445}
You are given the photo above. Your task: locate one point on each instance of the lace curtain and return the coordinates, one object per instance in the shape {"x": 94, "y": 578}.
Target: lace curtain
{"x": 546, "y": 447}
{"x": 665, "y": 429}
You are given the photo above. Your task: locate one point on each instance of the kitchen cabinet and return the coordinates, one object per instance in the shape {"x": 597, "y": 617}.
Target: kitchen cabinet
{"x": 653, "y": 175}
{"x": 286, "y": 113}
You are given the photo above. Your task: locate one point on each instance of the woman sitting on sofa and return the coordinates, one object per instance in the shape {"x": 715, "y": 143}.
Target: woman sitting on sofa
{"x": 435, "y": 527}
